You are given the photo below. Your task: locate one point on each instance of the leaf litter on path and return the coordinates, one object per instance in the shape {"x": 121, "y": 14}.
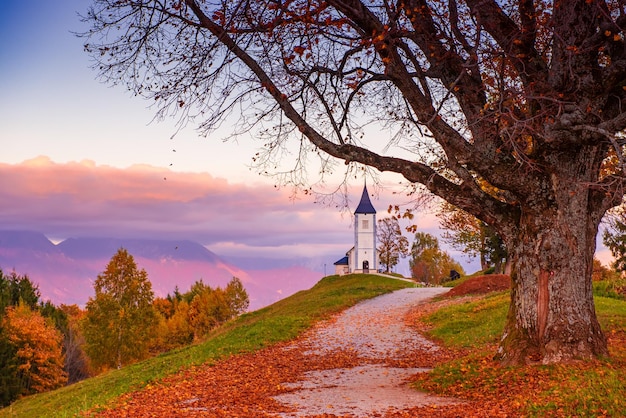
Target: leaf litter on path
{"x": 356, "y": 365}
{"x": 375, "y": 332}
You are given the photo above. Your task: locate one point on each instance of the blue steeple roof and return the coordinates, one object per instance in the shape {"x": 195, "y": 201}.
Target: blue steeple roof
{"x": 365, "y": 205}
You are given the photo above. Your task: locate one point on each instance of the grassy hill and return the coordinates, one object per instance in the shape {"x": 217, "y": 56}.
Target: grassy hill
{"x": 468, "y": 326}
{"x": 281, "y": 321}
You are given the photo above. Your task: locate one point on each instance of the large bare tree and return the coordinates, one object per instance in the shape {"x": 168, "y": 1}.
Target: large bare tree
{"x": 505, "y": 109}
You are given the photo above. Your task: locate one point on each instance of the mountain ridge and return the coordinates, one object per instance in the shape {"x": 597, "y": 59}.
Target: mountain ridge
{"x": 65, "y": 271}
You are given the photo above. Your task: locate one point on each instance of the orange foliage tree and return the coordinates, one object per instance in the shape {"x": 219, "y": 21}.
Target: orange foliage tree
{"x": 189, "y": 316}
{"x": 210, "y": 307}
{"x": 38, "y": 353}
{"x": 430, "y": 264}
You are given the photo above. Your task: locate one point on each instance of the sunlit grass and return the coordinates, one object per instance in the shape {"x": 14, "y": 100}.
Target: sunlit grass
{"x": 470, "y": 324}
{"x": 615, "y": 289}
{"x": 281, "y": 321}
{"x": 581, "y": 389}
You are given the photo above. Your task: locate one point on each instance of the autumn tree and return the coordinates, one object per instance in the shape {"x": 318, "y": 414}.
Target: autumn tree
{"x": 236, "y": 297}
{"x": 15, "y": 289}
{"x": 178, "y": 330}
{"x": 393, "y": 244}
{"x": 472, "y": 236}
{"x": 191, "y": 315}
{"x": 614, "y": 237}
{"x": 207, "y": 310}
{"x": 524, "y": 96}
{"x": 19, "y": 291}
{"x": 428, "y": 262}
{"x": 211, "y": 307}
{"x": 38, "y": 359}
{"x": 120, "y": 319}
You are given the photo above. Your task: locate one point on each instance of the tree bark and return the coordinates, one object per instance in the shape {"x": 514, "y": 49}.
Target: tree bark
{"x": 552, "y": 315}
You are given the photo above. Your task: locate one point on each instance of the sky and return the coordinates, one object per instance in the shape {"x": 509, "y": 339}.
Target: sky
{"x": 80, "y": 158}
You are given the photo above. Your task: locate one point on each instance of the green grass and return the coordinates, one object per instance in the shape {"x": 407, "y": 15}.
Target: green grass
{"x": 611, "y": 314}
{"x": 585, "y": 389}
{"x": 470, "y": 324}
{"x": 281, "y": 321}
{"x": 479, "y": 322}
{"x": 615, "y": 289}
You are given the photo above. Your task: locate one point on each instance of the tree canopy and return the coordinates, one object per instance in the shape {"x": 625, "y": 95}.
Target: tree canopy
{"x": 392, "y": 244}
{"x": 38, "y": 357}
{"x": 429, "y": 263}
{"x": 15, "y": 288}
{"x": 472, "y": 236}
{"x": 505, "y": 109}
{"x": 120, "y": 318}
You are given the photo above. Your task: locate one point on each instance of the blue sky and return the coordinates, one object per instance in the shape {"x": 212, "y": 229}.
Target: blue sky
{"x": 52, "y": 104}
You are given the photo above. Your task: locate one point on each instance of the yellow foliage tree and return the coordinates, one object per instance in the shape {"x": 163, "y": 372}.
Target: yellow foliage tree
{"x": 120, "y": 321}
{"x": 428, "y": 262}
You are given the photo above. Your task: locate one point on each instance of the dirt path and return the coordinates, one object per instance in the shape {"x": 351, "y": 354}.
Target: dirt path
{"x": 356, "y": 365}
{"x": 375, "y": 333}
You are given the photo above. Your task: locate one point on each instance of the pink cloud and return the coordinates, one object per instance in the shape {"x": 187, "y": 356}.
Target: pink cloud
{"x": 84, "y": 199}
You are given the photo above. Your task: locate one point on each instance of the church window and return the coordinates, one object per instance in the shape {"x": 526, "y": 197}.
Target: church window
{"x": 365, "y": 224}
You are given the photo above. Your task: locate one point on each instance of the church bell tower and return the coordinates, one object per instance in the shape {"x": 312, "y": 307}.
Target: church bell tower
{"x": 365, "y": 257}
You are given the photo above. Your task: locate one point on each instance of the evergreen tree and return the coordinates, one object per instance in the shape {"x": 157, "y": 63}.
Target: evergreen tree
{"x": 15, "y": 288}
{"x": 9, "y": 380}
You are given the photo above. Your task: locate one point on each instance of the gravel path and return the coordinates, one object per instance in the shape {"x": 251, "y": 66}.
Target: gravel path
{"x": 373, "y": 330}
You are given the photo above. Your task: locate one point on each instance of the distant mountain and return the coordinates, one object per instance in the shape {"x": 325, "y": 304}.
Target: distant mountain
{"x": 26, "y": 240}
{"x": 94, "y": 248}
{"x": 65, "y": 272}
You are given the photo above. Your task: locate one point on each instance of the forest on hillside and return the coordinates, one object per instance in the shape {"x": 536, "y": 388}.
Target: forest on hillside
{"x": 43, "y": 346}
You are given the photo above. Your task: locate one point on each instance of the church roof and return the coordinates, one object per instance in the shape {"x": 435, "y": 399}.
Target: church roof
{"x": 365, "y": 205}
{"x": 342, "y": 261}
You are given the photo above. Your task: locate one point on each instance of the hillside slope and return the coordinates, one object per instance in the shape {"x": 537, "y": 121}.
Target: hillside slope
{"x": 279, "y": 322}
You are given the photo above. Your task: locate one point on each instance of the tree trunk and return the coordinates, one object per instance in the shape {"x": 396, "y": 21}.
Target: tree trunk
{"x": 497, "y": 266}
{"x": 484, "y": 264}
{"x": 552, "y": 314}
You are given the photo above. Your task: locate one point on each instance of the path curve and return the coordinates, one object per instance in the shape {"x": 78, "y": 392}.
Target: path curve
{"x": 375, "y": 331}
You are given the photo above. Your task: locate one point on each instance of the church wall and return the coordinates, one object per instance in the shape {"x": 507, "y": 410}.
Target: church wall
{"x": 365, "y": 242}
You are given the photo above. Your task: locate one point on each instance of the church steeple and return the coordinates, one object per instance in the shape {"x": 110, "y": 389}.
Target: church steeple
{"x": 364, "y": 257}
{"x": 365, "y": 205}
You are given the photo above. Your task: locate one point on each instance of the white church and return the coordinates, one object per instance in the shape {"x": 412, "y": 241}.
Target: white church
{"x": 363, "y": 257}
